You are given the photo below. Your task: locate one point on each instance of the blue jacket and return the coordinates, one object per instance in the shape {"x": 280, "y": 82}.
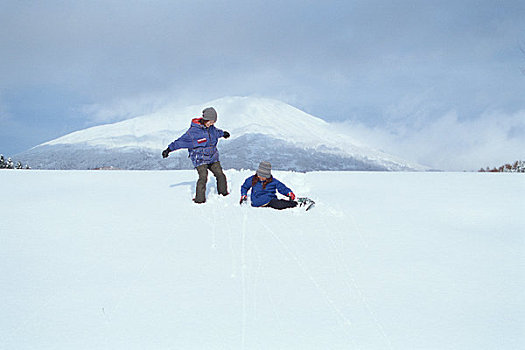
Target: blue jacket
{"x": 201, "y": 143}
{"x": 262, "y": 196}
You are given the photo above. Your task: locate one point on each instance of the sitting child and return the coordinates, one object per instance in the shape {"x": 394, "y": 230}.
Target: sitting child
{"x": 264, "y": 186}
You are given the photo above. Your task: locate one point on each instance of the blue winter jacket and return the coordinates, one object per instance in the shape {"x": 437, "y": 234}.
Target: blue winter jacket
{"x": 262, "y": 196}
{"x": 201, "y": 143}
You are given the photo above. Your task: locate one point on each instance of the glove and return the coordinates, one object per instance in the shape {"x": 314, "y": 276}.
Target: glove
{"x": 226, "y": 134}
{"x": 166, "y": 152}
{"x": 291, "y": 195}
{"x": 244, "y": 199}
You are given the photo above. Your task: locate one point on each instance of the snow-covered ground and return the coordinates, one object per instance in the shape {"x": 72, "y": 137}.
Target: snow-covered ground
{"x": 125, "y": 260}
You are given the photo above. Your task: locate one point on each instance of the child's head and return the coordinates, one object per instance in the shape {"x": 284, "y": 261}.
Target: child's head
{"x": 264, "y": 171}
{"x": 209, "y": 114}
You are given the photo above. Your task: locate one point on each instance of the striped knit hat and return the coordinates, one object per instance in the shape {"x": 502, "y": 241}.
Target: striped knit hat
{"x": 265, "y": 169}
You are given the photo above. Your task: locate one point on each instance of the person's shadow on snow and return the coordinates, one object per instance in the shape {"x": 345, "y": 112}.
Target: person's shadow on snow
{"x": 187, "y": 183}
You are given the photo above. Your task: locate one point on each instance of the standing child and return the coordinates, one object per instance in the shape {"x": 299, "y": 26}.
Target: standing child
{"x": 201, "y": 141}
{"x": 264, "y": 186}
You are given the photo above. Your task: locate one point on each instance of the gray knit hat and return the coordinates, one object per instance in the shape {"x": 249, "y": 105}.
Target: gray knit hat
{"x": 265, "y": 169}
{"x": 209, "y": 114}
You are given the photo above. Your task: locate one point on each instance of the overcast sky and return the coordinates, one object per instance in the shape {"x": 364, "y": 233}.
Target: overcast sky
{"x": 438, "y": 82}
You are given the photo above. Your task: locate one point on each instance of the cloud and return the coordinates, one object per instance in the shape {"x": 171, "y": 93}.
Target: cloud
{"x": 121, "y": 109}
{"x": 448, "y": 142}
{"x": 372, "y": 53}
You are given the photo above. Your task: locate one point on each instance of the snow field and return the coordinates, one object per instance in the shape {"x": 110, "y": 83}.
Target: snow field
{"x": 124, "y": 259}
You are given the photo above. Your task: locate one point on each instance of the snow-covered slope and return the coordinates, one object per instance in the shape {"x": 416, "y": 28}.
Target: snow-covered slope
{"x": 261, "y": 129}
{"x": 124, "y": 260}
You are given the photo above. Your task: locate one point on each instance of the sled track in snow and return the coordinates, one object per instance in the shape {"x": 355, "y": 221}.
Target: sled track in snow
{"x": 346, "y": 322}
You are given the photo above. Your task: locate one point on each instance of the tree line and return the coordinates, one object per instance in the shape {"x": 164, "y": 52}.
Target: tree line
{"x": 10, "y": 164}
{"x": 517, "y": 167}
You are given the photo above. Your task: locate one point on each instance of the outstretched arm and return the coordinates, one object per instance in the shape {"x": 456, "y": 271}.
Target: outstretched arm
{"x": 244, "y": 189}
{"x": 185, "y": 141}
{"x": 285, "y": 191}
{"x": 221, "y": 133}
{"x": 246, "y": 186}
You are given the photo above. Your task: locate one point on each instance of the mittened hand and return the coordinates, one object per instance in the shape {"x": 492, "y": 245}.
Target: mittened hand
{"x": 291, "y": 195}
{"x": 243, "y": 199}
{"x": 226, "y": 134}
{"x": 166, "y": 153}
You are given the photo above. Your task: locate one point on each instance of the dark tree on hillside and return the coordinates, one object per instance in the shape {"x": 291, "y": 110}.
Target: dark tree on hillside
{"x": 10, "y": 164}
{"x": 517, "y": 167}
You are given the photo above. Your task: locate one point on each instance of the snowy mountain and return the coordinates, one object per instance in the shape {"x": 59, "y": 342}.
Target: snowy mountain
{"x": 125, "y": 260}
{"x": 261, "y": 129}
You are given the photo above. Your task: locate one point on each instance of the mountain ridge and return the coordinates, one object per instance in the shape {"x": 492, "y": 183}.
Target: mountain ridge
{"x": 282, "y": 131}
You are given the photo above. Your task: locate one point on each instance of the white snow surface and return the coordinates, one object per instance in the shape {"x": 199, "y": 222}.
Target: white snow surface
{"x": 238, "y": 115}
{"x": 125, "y": 260}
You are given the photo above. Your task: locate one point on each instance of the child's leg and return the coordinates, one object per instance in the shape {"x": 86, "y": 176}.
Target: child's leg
{"x": 222, "y": 185}
{"x": 200, "y": 192}
{"x": 281, "y": 204}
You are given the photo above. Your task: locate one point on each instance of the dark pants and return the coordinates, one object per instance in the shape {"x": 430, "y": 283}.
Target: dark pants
{"x": 281, "y": 204}
{"x": 216, "y": 169}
